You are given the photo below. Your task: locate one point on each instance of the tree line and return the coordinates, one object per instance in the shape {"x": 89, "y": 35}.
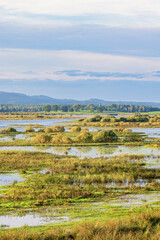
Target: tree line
{"x": 77, "y": 108}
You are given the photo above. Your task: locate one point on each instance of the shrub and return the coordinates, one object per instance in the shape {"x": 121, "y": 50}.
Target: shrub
{"x": 29, "y": 129}
{"x": 113, "y": 120}
{"x": 41, "y": 130}
{"x": 42, "y": 138}
{"x": 105, "y": 136}
{"x": 48, "y": 130}
{"x": 96, "y": 118}
{"x": 106, "y": 119}
{"x": 133, "y": 137}
{"x": 84, "y": 137}
{"x": 75, "y": 129}
{"x": 59, "y": 139}
{"x": 85, "y": 129}
{"x": 58, "y": 128}
{"x": 3, "y": 130}
{"x": 10, "y": 129}
{"x": 37, "y": 125}
{"x": 127, "y": 130}
{"x": 119, "y": 130}
{"x": 66, "y": 140}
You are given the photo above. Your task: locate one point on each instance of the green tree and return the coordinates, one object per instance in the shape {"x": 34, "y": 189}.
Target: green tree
{"x": 47, "y": 108}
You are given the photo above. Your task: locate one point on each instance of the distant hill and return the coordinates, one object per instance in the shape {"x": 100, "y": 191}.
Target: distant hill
{"x": 22, "y": 99}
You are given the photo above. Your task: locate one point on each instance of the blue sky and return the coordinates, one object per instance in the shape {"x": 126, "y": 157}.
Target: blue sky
{"x": 81, "y": 49}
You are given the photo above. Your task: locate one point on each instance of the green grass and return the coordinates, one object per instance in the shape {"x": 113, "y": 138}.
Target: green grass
{"x": 76, "y": 188}
{"x": 136, "y": 226}
{"x": 70, "y": 179}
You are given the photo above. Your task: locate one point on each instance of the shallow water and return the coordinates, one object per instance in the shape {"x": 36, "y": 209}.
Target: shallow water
{"x": 9, "y": 178}
{"x": 152, "y": 162}
{"x": 133, "y": 199}
{"x": 20, "y": 125}
{"x": 138, "y": 183}
{"x": 125, "y": 201}
{"x": 10, "y": 138}
{"x": 29, "y": 220}
{"x": 150, "y": 132}
{"x": 89, "y": 151}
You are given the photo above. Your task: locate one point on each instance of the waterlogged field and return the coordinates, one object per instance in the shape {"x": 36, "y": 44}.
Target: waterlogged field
{"x": 74, "y": 178}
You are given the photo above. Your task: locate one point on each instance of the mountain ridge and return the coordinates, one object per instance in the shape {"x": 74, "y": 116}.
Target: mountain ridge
{"x": 23, "y": 99}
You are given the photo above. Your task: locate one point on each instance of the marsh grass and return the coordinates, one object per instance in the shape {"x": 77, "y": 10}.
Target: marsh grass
{"x": 73, "y": 185}
{"x": 137, "y": 226}
{"x": 70, "y": 179}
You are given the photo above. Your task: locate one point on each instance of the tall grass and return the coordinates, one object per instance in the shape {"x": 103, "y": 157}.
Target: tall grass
{"x": 145, "y": 226}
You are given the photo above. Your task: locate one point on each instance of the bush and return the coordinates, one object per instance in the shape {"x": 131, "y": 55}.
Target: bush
{"x": 85, "y": 129}
{"x": 105, "y": 136}
{"x": 10, "y": 129}
{"x": 75, "y": 129}
{"x": 113, "y": 120}
{"x": 84, "y": 137}
{"x": 41, "y": 130}
{"x": 133, "y": 137}
{"x": 58, "y": 128}
{"x": 59, "y": 139}
{"x": 96, "y": 118}
{"x": 127, "y": 130}
{"x": 29, "y": 129}
{"x": 106, "y": 119}
{"x": 3, "y": 130}
{"x": 42, "y": 138}
{"x": 48, "y": 130}
{"x": 37, "y": 125}
{"x": 119, "y": 130}
{"x": 66, "y": 140}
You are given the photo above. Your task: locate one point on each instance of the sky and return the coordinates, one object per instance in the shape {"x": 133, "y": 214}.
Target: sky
{"x": 81, "y": 49}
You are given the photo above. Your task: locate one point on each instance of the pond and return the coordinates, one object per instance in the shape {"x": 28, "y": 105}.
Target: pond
{"x": 11, "y": 137}
{"x": 89, "y": 151}
{"x": 138, "y": 183}
{"x": 9, "y": 178}
{"x": 9, "y": 221}
{"x": 132, "y": 200}
{"x": 81, "y": 211}
{"x": 150, "y": 132}
{"x": 20, "y": 125}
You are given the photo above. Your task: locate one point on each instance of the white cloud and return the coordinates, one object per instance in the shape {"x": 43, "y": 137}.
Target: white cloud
{"x": 79, "y": 7}
{"x": 39, "y": 64}
{"x": 137, "y": 13}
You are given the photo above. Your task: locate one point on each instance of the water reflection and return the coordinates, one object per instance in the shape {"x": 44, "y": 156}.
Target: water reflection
{"x": 138, "y": 183}
{"x": 84, "y": 150}
{"x": 133, "y": 199}
{"x": 29, "y": 220}
{"x": 11, "y": 137}
{"x": 20, "y": 125}
{"x": 9, "y": 178}
{"x": 89, "y": 151}
{"x": 60, "y": 150}
{"x": 150, "y": 132}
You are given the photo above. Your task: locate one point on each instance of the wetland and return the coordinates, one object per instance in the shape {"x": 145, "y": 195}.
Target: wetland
{"x": 61, "y": 176}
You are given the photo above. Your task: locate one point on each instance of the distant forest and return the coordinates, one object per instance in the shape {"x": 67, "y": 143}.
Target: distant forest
{"x": 77, "y": 108}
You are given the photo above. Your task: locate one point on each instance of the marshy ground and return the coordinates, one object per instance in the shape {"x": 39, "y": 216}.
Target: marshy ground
{"x": 97, "y": 187}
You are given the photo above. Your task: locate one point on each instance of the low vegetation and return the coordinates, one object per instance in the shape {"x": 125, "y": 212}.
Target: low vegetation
{"x": 76, "y": 129}
{"x": 83, "y": 137}
{"x": 70, "y": 179}
{"x": 142, "y": 226}
{"x": 8, "y": 130}
{"x": 29, "y": 129}
{"x": 83, "y": 188}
